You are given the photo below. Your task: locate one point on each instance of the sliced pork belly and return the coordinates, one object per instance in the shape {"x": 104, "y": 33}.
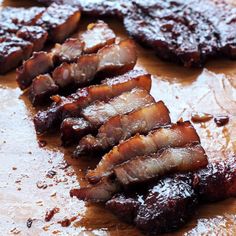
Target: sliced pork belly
{"x": 170, "y": 160}
{"x": 113, "y": 59}
{"x": 34, "y": 34}
{"x": 60, "y": 21}
{"x": 12, "y": 51}
{"x": 72, "y": 105}
{"x": 176, "y": 135}
{"x": 42, "y": 84}
{"x": 100, "y": 192}
{"x": 39, "y": 63}
{"x": 99, "y": 112}
{"x": 122, "y": 127}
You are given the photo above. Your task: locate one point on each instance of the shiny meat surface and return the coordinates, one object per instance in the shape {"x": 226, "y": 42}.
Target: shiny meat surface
{"x": 13, "y": 50}
{"x": 60, "y": 21}
{"x": 188, "y": 32}
{"x": 99, "y": 112}
{"x": 145, "y": 168}
{"x": 34, "y": 34}
{"x": 122, "y": 127}
{"x": 176, "y": 135}
{"x": 39, "y": 63}
{"x": 72, "y": 105}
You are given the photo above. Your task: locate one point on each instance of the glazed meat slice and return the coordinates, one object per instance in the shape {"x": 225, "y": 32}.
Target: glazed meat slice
{"x": 110, "y": 60}
{"x": 122, "y": 127}
{"x": 217, "y": 181}
{"x": 72, "y": 105}
{"x": 20, "y": 15}
{"x": 12, "y": 51}
{"x": 7, "y": 29}
{"x": 34, "y": 34}
{"x": 99, "y": 112}
{"x": 39, "y": 63}
{"x": 100, "y": 192}
{"x": 168, "y": 206}
{"x": 69, "y": 51}
{"x": 176, "y": 135}
{"x": 42, "y": 84}
{"x": 59, "y": 21}
{"x": 156, "y": 165}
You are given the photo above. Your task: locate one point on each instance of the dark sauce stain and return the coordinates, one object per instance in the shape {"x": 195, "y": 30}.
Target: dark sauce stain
{"x": 221, "y": 120}
{"x": 49, "y": 214}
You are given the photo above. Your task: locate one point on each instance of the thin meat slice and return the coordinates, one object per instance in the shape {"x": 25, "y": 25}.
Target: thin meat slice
{"x": 112, "y": 60}
{"x": 122, "y": 127}
{"x": 99, "y": 112}
{"x": 72, "y": 105}
{"x": 34, "y": 34}
{"x": 39, "y": 63}
{"x": 100, "y": 192}
{"x": 59, "y": 21}
{"x": 13, "y": 50}
{"x": 176, "y": 135}
{"x": 156, "y": 165}
{"x": 44, "y": 87}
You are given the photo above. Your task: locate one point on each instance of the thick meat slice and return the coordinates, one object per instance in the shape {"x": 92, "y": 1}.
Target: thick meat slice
{"x": 72, "y": 105}
{"x": 34, "y": 34}
{"x": 99, "y": 112}
{"x": 156, "y": 165}
{"x": 217, "y": 181}
{"x": 100, "y": 192}
{"x": 122, "y": 127}
{"x": 12, "y": 51}
{"x": 39, "y": 63}
{"x": 176, "y": 135}
{"x": 20, "y": 15}
{"x": 60, "y": 21}
{"x": 110, "y": 60}
{"x": 168, "y": 206}
{"x": 43, "y": 83}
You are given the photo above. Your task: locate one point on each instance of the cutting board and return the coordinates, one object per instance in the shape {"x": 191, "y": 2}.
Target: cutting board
{"x": 36, "y": 173}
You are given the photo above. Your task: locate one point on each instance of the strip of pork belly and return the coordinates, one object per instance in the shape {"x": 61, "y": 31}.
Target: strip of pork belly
{"x": 111, "y": 60}
{"x": 71, "y": 106}
{"x": 156, "y": 165}
{"x": 176, "y": 135}
{"x": 69, "y": 51}
{"x": 99, "y": 112}
{"x": 60, "y": 21}
{"x": 100, "y": 192}
{"x": 122, "y": 127}
{"x": 39, "y": 63}
{"x": 13, "y": 50}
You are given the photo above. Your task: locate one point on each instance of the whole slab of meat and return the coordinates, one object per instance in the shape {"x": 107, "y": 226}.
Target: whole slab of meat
{"x": 184, "y": 31}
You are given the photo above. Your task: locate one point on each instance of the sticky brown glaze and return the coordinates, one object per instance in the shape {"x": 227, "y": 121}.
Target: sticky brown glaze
{"x": 176, "y": 135}
{"x": 34, "y": 34}
{"x": 99, "y": 112}
{"x": 168, "y": 206}
{"x": 39, "y": 63}
{"x": 60, "y": 21}
{"x": 13, "y": 50}
{"x": 110, "y": 60}
{"x": 144, "y": 168}
{"x": 217, "y": 181}
{"x": 122, "y": 127}
{"x": 37, "y": 92}
{"x": 72, "y": 105}
{"x": 100, "y": 192}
